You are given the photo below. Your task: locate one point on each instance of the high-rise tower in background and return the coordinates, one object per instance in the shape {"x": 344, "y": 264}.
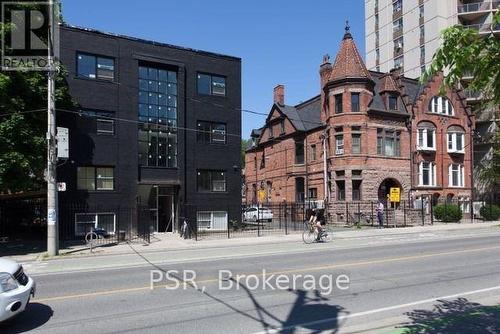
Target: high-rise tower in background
{"x": 406, "y": 33}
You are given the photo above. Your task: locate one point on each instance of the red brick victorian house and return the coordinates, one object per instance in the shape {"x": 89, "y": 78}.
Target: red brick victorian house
{"x": 363, "y": 134}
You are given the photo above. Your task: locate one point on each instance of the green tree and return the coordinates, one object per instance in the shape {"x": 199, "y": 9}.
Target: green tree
{"x": 245, "y": 145}
{"x": 464, "y": 51}
{"x": 23, "y": 124}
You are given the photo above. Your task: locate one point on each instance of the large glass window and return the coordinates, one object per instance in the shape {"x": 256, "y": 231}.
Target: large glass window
{"x": 95, "y": 178}
{"x": 441, "y": 105}
{"x": 210, "y": 132}
{"x": 397, "y": 6}
{"x": 427, "y": 174}
{"x": 209, "y": 84}
{"x": 426, "y": 133}
{"x": 95, "y": 67}
{"x": 86, "y": 222}
{"x": 388, "y": 142}
{"x": 456, "y": 138}
{"x": 158, "y": 117}
{"x": 211, "y": 181}
{"x": 456, "y": 175}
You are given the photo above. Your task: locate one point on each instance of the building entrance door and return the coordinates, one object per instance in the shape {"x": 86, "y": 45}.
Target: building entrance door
{"x": 166, "y": 213}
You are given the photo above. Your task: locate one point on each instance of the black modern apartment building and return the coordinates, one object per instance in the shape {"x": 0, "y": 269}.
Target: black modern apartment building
{"x": 159, "y": 127}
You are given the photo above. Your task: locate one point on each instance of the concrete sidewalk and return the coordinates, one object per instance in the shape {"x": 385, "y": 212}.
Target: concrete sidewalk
{"x": 169, "y": 241}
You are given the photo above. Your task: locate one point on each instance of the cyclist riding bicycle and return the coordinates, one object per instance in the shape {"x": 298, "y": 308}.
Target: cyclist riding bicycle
{"x": 317, "y": 218}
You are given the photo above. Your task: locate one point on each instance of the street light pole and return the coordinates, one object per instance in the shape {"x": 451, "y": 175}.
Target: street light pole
{"x": 52, "y": 215}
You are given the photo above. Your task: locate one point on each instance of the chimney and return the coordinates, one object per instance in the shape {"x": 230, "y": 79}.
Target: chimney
{"x": 279, "y": 95}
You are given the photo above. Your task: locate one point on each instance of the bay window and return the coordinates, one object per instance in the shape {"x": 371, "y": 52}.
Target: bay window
{"x": 426, "y": 136}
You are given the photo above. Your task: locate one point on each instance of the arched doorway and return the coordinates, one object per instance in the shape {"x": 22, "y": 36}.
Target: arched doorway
{"x": 385, "y": 188}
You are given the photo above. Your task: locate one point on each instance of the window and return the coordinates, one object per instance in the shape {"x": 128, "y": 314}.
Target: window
{"x": 282, "y": 127}
{"x": 95, "y": 178}
{"x": 313, "y": 152}
{"x": 340, "y": 173}
{"x": 397, "y": 6}
{"x": 456, "y": 176}
{"x": 377, "y": 57}
{"x": 422, "y": 53}
{"x": 421, "y": 10}
{"x": 339, "y": 144}
{"x": 422, "y": 32}
{"x": 376, "y": 21}
{"x": 355, "y": 102}
{"x": 399, "y": 62}
{"x": 356, "y": 143}
{"x": 397, "y": 25}
{"x": 441, "y": 105}
{"x": 313, "y": 193}
{"x": 393, "y": 102}
{"x": 271, "y": 131}
{"x": 426, "y": 133}
{"x": 299, "y": 152}
{"x": 212, "y": 220}
{"x": 211, "y": 181}
{"x": 338, "y": 104}
{"x": 427, "y": 174}
{"x": 340, "y": 190}
{"x": 86, "y": 222}
{"x": 157, "y": 117}
{"x": 455, "y": 140}
{"x": 356, "y": 190}
{"x": 95, "y": 67}
{"x": 211, "y": 85}
{"x": 105, "y": 126}
{"x": 422, "y": 69}
{"x": 209, "y": 132}
{"x": 398, "y": 44}
{"x": 388, "y": 142}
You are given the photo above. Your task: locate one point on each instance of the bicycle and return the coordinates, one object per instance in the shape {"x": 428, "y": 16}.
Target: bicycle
{"x": 310, "y": 233}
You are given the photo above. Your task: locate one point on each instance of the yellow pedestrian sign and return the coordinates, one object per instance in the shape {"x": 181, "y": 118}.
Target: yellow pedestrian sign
{"x": 394, "y": 195}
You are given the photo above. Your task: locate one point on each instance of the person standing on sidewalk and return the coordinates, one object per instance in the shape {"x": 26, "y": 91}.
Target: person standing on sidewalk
{"x": 380, "y": 214}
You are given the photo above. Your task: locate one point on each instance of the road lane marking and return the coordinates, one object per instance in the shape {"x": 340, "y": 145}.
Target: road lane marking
{"x": 379, "y": 310}
{"x": 320, "y": 268}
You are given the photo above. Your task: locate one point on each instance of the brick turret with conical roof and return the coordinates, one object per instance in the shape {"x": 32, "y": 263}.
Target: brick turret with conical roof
{"x": 346, "y": 82}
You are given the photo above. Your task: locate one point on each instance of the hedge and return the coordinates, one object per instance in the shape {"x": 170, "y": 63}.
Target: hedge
{"x": 447, "y": 213}
{"x": 490, "y": 212}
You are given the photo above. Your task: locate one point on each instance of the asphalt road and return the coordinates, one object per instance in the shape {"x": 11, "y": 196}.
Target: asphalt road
{"x": 379, "y": 283}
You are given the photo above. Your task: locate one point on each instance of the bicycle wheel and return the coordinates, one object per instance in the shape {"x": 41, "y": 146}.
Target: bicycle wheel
{"x": 310, "y": 234}
{"x": 327, "y": 234}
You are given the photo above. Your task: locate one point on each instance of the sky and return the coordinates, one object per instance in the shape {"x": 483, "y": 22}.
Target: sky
{"x": 279, "y": 41}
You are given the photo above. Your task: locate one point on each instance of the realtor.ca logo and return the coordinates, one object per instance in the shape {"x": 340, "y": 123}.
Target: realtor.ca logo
{"x": 25, "y": 38}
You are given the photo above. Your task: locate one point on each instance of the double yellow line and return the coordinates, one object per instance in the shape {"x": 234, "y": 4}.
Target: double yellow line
{"x": 319, "y": 268}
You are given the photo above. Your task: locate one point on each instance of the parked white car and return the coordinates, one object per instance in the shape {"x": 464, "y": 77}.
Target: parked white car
{"x": 256, "y": 214}
{"x": 16, "y": 289}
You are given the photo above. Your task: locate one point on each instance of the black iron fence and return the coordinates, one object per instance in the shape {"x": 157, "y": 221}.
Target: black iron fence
{"x": 26, "y": 220}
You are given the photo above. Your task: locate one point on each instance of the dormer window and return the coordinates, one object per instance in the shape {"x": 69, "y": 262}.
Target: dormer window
{"x": 426, "y": 136}
{"x": 282, "y": 126}
{"x": 393, "y": 102}
{"x": 271, "y": 131}
{"x": 441, "y": 105}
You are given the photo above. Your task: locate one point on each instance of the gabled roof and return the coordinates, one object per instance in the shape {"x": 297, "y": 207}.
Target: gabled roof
{"x": 304, "y": 116}
{"x": 348, "y": 63}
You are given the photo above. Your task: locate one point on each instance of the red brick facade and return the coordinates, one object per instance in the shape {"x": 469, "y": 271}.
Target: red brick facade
{"x": 368, "y": 123}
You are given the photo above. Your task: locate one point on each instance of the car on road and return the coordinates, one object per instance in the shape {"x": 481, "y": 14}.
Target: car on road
{"x": 16, "y": 289}
{"x": 257, "y": 214}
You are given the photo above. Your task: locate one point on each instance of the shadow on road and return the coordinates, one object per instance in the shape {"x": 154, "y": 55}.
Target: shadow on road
{"x": 33, "y": 317}
{"x": 458, "y": 316}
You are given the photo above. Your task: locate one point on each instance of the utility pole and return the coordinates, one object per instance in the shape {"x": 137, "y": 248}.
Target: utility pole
{"x": 52, "y": 214}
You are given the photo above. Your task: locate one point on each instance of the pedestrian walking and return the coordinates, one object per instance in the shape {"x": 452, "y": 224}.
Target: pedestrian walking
{"x": 380, "y": 214}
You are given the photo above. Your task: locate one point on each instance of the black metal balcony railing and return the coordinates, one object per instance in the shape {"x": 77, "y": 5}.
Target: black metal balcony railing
{"x": 474, "y": 7}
